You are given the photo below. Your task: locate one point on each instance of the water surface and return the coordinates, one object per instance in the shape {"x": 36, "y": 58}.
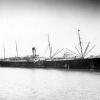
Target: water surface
{"x": 48, "y": 84}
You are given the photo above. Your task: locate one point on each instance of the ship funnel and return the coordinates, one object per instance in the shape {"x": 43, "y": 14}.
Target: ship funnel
{"x": 34, "y": 51}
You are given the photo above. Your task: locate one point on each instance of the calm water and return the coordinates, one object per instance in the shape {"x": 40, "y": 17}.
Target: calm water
{"x": 43, "y": 84}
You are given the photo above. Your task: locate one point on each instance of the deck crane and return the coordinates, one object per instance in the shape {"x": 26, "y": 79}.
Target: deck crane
{"x": 50, "y": 49}
{"x": 86, "y": 51}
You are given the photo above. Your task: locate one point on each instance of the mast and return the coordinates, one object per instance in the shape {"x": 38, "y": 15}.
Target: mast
{"x": 80, "y": 43}
{"x": 16, "y": 49}
{"x": 4, "y": 51}
{"x": 50, "y": 48}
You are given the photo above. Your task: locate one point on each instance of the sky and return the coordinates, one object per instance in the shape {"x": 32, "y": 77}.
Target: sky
{"x": 28, "y": 22}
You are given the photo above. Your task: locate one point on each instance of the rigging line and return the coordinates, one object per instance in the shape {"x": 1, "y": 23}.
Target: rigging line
{"x": 78, "y": 51}
{"x": 55, "y": 53}
{"x": 89, "y": 51}
{"x": 72, "y": 52}
{"x": 58, "y": 52}
{"x": 86, "y": 48}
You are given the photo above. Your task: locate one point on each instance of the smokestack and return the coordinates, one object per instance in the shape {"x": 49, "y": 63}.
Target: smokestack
{"x": 34, "y": 51}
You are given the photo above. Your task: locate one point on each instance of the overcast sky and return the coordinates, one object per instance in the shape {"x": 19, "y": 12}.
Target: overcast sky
{"x": 28, "y": 22}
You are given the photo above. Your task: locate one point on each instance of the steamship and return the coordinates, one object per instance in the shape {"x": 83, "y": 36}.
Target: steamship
{"x": 76, "y": 62}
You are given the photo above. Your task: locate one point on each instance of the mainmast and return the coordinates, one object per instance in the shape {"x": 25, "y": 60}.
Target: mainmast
{"x": 80, "y": 43}
{"x": 82, "y": 52}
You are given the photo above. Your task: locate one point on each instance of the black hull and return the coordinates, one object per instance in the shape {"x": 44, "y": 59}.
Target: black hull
{"x": 93, "y": 63}
{"x": 20, "y": 64}
{"x": 89, "y": 63}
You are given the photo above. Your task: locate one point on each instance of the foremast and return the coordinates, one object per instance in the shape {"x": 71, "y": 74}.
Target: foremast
{"x": 50, "y": 48}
